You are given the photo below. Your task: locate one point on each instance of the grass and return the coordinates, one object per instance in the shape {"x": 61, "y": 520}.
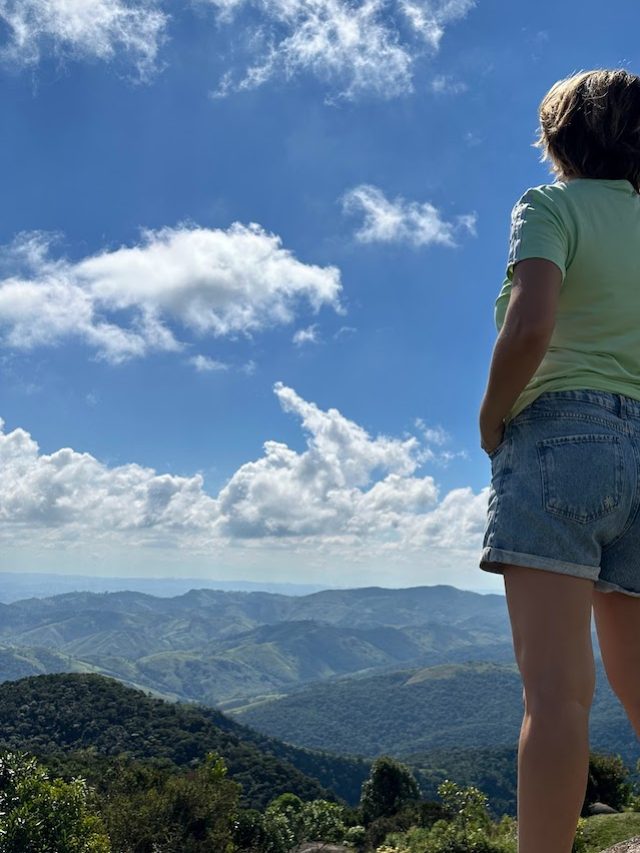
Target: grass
{"x": 604, "y": 830}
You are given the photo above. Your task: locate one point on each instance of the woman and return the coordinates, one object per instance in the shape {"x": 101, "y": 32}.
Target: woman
{"x": 560, "y": 421}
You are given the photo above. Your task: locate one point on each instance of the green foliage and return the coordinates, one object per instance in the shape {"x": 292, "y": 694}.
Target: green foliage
{"x": 323, "y": 821}
{"x": 248, "y": 830}
{"x": 56, "y": 716}
{"x": 419, "y": 814}
{"x": 193, "y": 812}
{"x": 43, "y": 815}
{"x": 608, "y": 782}
{"x": 603, "y": 831}
{"x": 398, "y": 712}
{"x": 291, "y": 808}
{"x": 288, "y": 821}
{"x": 376, "y": 831}
{"x": 390, "y": 786}
{"x": 492, "y": 769}
{"x": 355, "y": 835}
{"x": 279, "y": 836}
{"x": 468, "y": 827}
{"x": 580, "y": 840}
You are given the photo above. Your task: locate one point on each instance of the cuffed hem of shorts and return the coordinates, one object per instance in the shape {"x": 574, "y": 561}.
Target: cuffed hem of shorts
{"x": 534, "y": 561}
{"x": 607, "y": 586}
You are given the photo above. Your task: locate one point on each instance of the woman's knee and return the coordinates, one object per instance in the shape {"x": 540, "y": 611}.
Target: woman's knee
{"x": 555, "y": 703}
{"x": 551, "y": 625}
{"x": 555, "y": 679}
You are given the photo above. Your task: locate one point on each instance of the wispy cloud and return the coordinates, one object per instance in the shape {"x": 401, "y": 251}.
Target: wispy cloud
{"x": 345, "y": 330}
{"x": 127, "y": 302}
{"x": 306, "y": 336}
{"x": 204, "y": 364}
{"x": 102, "y": 29}
{"x": 355, "y": 48}
{"x": 402, "y": 221}
{"x": 442, "y": 84}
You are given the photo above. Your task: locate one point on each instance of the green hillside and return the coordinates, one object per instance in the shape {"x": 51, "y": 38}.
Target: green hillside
{"x": 475, "y": 704}
{"x": 221, "y": 647}
{"x": 49, "y": 715}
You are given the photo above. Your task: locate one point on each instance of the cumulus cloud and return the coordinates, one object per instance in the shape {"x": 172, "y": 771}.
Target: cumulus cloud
{"x": 363, "y": 47}
{"x": 402, "y": 221}
{"x": 97, "y": 29}
{"x": 67, "y": 494}
{"x": 129, "y": 301}
{"x": 346, "y": 492}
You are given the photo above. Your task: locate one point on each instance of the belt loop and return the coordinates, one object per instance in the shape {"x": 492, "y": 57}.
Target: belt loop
{"x": 623, "y": 405}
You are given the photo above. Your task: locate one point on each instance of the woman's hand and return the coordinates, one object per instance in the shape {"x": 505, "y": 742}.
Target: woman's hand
{"x": 490, "y": 437}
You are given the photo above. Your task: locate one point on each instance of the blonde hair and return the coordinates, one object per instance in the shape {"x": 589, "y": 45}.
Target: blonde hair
{"x": 590, "y": 126}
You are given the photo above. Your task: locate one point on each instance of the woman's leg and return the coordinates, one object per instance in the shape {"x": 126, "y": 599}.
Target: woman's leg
{"x": 550, "y": 617}
{"x": 617, "y": 618}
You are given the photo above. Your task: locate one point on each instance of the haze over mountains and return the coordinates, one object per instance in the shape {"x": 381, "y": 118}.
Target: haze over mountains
{"x": 17, "y": 585}
{"x": 224, "y": 648}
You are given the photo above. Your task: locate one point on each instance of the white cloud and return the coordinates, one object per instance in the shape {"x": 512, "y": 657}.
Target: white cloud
{"x": 347, "y": 494}
{"x": 430, "y": 18}
{"x": 402, "y": 221}
{"x": 129, "y": 301}
{"x": 249, "y": 367}
{"x": 98, "y": 29}
{"x": 435, "y": 435}
{"x": 363, "y": 47}
{"x": 68, "y": 495}
{"x": 204, "y": 364}
{"x": 345, "y": 330}
{"x": 442, "y": 84}
{"x": 306, "y": 336}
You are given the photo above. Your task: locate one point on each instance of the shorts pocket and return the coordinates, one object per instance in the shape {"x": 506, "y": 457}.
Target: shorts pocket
{"x": 503, "y": 443}
{"x": 582, "y": 475}
{"x": 497, "y": 450}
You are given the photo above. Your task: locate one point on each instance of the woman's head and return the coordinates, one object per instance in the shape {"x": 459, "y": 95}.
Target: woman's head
{"x": 590, "y": 126}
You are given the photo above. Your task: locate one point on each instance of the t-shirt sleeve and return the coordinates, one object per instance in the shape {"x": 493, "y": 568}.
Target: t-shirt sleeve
{"x": 538, "y": 230}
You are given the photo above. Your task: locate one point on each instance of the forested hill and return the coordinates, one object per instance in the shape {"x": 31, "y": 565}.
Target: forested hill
{"x": 48, "y": 715}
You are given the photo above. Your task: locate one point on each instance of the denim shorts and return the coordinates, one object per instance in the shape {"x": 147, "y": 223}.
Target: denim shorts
{"x": 565, "y": 489}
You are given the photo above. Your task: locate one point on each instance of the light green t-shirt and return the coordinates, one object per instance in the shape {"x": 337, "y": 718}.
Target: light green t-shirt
{"x": 590, "y": 228}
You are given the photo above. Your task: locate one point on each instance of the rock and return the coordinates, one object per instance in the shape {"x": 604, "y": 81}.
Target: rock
{"x": 601, "y": 808}
{"x": 316, "y": 847}
{"x": 631, "y": 845}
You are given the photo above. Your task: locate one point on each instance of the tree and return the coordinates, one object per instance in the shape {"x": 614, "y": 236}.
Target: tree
{"x": 248, "y": 831}
{"x": 469, "y": 828}
{"x": 278, "y": 837}
{"x": 44, "y": 815}
{"x": 193, "y": 812}
{"x": 291, "y": 808}
{"x": 323, "y": 821}
{"x": 608, "y": 782}
{"x": 391, "y": 785}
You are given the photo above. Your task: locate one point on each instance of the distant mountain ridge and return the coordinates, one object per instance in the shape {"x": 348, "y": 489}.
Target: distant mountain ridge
{"x": 222, "y": 647}
{"x": 17, "y": 585}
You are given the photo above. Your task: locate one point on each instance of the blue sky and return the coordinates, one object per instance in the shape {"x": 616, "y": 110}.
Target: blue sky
{"x": 249, "y": 252}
